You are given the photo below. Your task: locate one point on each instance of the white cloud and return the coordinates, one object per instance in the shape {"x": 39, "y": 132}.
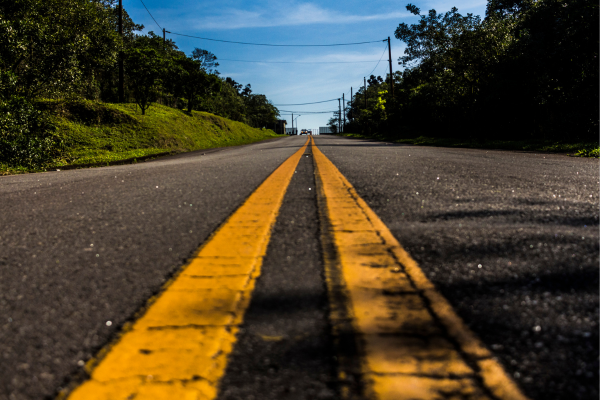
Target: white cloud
{"x": 334, "y": 60}
{"x": 464, "y": 6}
{"x": 304, "y": 14}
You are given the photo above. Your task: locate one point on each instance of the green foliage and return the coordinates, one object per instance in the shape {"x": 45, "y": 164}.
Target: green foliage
{"x": 334, "y": 122}
{"x": 27, "y": 138}
{"x": 48, "y": 48}
{"x": 451, "y": 61}
{"x": 55, "y": 47}
{"x": 553, "y": 63}
{"x": 430, "y": 40}
{"x": 238, "y": 103}
{"x": 588, "y": 152}
{"x": 97, "y": 134}
{"x": 372, "y": 117}
{"x": 208, "y": 61}
{"x": 156, "y": 71}
{"x": 260, "y": 112}
{"x": 227, "y": 103}
{"x": 100, "y": 133}
{"x": 68, "y": 49}
{"x": 145, "y": 69}
{"x": 528, "y": 70}
{"x": 192, "y": 82}
{"x": 576, "y": 149}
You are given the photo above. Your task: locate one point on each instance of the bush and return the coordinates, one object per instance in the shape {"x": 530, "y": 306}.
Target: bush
{"x": 27, "y": 138}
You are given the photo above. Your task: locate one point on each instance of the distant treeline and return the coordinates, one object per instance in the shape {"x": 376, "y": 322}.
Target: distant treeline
{"x": 69, "y": 49}
{"x": 528, "y": 70}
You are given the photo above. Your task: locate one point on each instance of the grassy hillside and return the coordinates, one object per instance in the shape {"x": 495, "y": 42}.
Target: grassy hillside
{"x": 100, "y": 133}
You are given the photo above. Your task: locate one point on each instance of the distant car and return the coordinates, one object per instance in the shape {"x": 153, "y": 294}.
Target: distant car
{"x": 304, "y": 132}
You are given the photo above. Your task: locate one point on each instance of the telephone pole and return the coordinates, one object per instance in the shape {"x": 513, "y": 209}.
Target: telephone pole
{"x": 351, "y": 116}
{"x": 164, "y": 47}
{"x": 121, "y": 84}
{"x": 365, "y": 93}
{"x": 344, "y": 103}
{"x": 391, "y": 76}
{"x": 292, "y": 123}
{"x": 339, "y": 115}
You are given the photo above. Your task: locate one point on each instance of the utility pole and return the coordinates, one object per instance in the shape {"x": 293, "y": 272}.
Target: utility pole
{"x": 351, "y": 114}
{"x": 365, "y": 93}
{"x": 391, "y": 76}
{"x": 164, "y": 47}
{"x": 292, "y": 123}
{"x": 339, "y": 115}
{"x": 121, "y": 84}
{"x": 344, "y": 103}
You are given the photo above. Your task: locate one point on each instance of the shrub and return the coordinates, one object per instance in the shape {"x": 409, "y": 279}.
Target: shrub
{"x": 27, "y": 138}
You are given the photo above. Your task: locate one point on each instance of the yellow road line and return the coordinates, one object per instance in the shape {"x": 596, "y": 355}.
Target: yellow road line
{"x": 178, "y": 348}
{"x": 412, "y": 343}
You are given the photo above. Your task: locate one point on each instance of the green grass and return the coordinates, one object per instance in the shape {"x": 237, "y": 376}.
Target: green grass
{"x": 100, "y": 133}
{"x": 588, "y": 152}
{"x": 573, "y": 149}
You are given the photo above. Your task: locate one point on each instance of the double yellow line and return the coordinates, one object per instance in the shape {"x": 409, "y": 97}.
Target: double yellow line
{"x": 410, "y": 344}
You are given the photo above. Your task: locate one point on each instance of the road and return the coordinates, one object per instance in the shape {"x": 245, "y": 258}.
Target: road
{"x": 508, "y": 240}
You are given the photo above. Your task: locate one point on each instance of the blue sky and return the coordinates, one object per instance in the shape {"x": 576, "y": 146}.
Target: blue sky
{"x": 293, "y": 22}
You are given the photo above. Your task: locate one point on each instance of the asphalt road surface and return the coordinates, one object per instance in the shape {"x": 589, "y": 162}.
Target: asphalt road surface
{"x": 510, "y": 239}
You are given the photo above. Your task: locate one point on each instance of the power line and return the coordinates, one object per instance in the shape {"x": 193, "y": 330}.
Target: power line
{"x": 274, "y": 45}
{"x": 286, "y": 62}
{"x": 151, "y": 14}
{"x": 277, "y": 45}
{"x": 306, "y": 112}
{"x": 379, "y": 59}
{"x": 304, "y": 104}
{"x": 263, "y": 44}
{"x": 299, "y": 62}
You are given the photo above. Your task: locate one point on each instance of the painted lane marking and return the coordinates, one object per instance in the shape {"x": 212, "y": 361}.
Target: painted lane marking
{"x": 178, "y": 348}
{"x": 411, "y": 342}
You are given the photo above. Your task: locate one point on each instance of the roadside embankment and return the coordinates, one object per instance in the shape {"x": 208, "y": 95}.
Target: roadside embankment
{"x": 95, "y": 133}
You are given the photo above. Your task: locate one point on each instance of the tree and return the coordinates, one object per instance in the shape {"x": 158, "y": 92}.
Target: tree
{"x": 259, "y": 111}
{"x": 129, "y": 27}
{"x": 247, "y": 91}
{"x": 107, "y": 77}
{"x": 145, "y": 68}
{"x": 374, "y": 80}
{"x": 334, "y": 122}
{"x": 553, "y": 65}
{"x": 208, "y": 61}
{"x": 429, "y": 42}
{"x": 449, "y": 60}
{"x": 226, "y": 102}
{"x": 193, "y": 81}
{"x": 529, "y": 69}
{"x": 55, "y": 47}
{"x": 237, "y": 86}
{"x": 27, "y": 137}
{"x": 369, "y": 117}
